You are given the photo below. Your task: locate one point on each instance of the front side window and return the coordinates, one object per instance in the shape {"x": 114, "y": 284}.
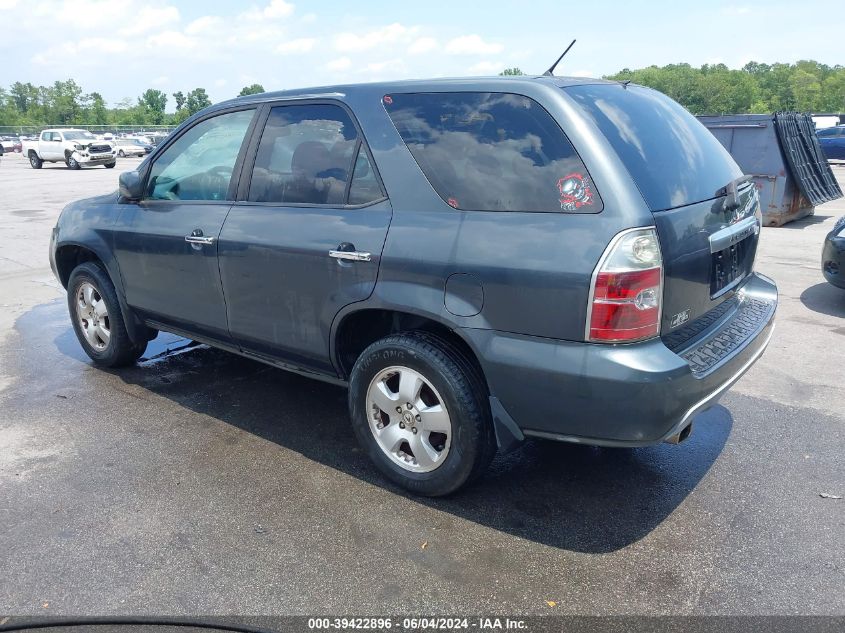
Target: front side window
{"x": 305, "y": 156}
{"x": 199, "y": 164}
{"x": 488, "y": 151}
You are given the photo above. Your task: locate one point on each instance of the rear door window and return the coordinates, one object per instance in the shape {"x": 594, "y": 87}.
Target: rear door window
{"x": 487, "y": 151}
{"x": 671, "y": 156}
{"x": 305, "y": 156}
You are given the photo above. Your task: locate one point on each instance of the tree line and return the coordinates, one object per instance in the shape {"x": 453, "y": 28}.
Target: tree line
{"x": 806, "y": 86}
{"x": 65, "y": 103}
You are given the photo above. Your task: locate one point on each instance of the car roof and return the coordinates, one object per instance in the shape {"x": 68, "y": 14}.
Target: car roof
{"x": 498, "y": 83}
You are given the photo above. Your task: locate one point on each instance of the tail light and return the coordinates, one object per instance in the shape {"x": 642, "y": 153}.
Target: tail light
{"x": 627, "y": 289}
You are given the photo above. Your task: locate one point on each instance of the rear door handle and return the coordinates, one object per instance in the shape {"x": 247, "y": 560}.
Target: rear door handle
{"x": 198, "y": 239}
{"x": 352, "y": 256}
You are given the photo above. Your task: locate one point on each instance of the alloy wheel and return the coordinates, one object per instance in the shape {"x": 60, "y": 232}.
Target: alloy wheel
{"x": 93, "y": 316}
{"x": 409, "y": 419}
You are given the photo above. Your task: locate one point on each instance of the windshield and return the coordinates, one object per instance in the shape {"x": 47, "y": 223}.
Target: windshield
{"x": 79, "y": 136}
{"x": 671, "y": 156}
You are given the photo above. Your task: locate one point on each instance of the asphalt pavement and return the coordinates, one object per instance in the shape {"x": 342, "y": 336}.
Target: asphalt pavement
{"x": 198, "y": 482}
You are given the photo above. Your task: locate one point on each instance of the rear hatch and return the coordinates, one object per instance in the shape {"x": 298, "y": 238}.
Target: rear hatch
{"x": 708, "y": 238}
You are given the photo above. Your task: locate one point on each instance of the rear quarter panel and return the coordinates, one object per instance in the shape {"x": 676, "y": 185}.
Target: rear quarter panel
{"x": 534, "y": 268}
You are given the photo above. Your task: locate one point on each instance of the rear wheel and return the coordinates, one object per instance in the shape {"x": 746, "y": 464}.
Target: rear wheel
{"x": 97, "y": 318}
{"x": 34, "y": 161}
{"x": 420, "y": 411}
{"x": 122, "y": 154}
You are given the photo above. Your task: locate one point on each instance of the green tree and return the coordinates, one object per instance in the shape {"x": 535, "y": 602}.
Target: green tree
{"x": 197, "y": 100}
{"x": 254, "y": 89}
{"x": 511, "y": 71}
{"x": 179, "y": 97}
{"x": 153, "y": 103}
{"x": 806, "y": 90}
{"x": 99, "y": 112}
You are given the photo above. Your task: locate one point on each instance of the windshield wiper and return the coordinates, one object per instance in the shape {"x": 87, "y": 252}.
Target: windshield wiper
{"x": 732, "y": 200}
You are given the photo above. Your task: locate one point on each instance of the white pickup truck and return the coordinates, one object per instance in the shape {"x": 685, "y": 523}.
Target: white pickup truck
{"x": 73, "y": 147}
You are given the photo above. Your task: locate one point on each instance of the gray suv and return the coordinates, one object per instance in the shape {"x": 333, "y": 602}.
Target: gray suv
{"x": 478, "y": 260}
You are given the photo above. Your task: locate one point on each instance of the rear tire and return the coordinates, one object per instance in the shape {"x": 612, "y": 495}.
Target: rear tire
{"x": 445, "y": 438}
{"x": 97, "y": 319}
{"x": 122, "y": 154}
{"x": 34, "y": 161}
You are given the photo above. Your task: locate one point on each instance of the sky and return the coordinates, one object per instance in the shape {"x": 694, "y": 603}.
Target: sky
{"x": 120, "y": 48}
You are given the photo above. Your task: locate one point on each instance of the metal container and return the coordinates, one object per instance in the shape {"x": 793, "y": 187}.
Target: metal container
{"x": 782, "y": 154}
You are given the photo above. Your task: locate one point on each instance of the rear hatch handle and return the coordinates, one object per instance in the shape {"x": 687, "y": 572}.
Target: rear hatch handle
{"x": 732, "y": 200}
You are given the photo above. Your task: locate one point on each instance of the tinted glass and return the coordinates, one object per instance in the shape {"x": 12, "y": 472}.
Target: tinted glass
{"x": 365, "y": 187}
{"x": 493, "y": 152}
{"x": 199, "y": 164}
{"x": 671, "y": 156}
{"x": 79, "y": 136}
{"x": 305, "y": 156}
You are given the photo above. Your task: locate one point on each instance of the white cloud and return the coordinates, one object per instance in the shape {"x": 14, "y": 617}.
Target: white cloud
{"x": 171, "y": 40}
{"x": 422, "y": 45}
{"x": 7, "y": 4}
{"x": 220, "y": 83}
{"x": 486, "y": 68}
{"x": 353, "y": 43}
{"x": 150, "y": 19}
{"x": 342, "y": 63}
{"x": 300, "y": 45}
{"x": 582, "y": 73}
{"x": 472, "y": 45}
{"x": 161, "y": 81}
{"x": 275, "y": 10}
{"x": 204, "y": 24}
{"x": 308, "y": 18}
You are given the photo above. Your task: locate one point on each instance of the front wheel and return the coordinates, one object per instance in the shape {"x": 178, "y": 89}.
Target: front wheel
{"x": 419, "y": 408}
{"x": 97, "y": 319}
{"x": 72, "y": 163}
{"x": 122, "y": 154}
{"x": 34, "y": 161}
{"x": 110, "y": 165}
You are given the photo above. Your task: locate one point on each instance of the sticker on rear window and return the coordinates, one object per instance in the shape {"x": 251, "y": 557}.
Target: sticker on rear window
{"x": 575, "y": 192}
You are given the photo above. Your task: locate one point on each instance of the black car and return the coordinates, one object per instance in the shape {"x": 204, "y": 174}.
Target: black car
{"x": 833, "y": 255}
{"x": 477, "y": 260}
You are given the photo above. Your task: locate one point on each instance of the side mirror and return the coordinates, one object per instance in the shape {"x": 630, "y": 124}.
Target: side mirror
{"x": 131, "y": 187}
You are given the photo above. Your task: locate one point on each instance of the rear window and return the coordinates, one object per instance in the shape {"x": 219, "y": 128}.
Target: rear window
{"x": 671, "y": 156}
{"x": 486, "y": 151}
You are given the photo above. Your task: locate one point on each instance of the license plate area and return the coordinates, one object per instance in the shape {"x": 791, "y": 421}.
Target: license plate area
{"x": 730, "y": 265}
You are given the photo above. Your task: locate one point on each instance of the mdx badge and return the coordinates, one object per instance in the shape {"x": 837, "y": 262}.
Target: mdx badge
{"x": 679, "y": 319}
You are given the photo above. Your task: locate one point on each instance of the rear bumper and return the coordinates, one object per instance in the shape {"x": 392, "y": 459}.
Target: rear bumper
{"x": 833, "y": 260}
{"x": 623, "y": 395}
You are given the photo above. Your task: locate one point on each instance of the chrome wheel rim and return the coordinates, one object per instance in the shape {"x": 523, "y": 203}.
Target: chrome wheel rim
{"x": 92, "y": 316}
{"x": 408, "y": 419}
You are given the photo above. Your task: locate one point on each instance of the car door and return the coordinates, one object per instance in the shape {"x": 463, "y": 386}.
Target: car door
{"x": 166, "y": 244}
{"x": 306, "y": 238}
{"x": 51, "y": 146}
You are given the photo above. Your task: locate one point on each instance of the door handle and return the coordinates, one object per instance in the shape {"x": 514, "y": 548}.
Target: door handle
{"x": 199, "y": 239}
{"x": 352, "y": 256}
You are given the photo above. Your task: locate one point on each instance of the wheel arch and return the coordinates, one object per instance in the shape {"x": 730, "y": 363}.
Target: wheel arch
{"x": 356, "y": 329}
{"x": 69, "y": 255}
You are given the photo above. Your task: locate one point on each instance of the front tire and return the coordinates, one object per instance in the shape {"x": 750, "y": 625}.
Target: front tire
{"x": 110, "y": 165}
{"x": 34, "y": 161}
{"x": 122, "y": 154}
{"x": 97, "y": 318}
{"x": 419, "y": 409}
{"x": 72, "y": 163}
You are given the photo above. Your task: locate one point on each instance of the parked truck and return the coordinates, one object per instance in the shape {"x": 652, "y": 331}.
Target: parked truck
{"x": 75, "y": 148}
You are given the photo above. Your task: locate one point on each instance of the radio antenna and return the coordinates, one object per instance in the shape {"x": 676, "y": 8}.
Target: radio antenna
{"x": 550, "y": 71}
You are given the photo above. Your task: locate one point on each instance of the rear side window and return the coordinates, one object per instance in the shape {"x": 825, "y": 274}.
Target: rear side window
{"x": 485, "y": 151}
{"x": 310, "y": 154}
{"x": 671, "y": 156}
